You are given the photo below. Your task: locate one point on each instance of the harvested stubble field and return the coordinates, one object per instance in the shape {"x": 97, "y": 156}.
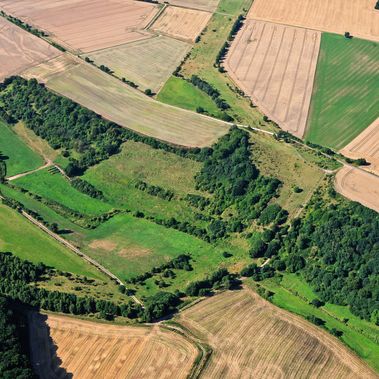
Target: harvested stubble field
{"x": 66, "y": 347}
{"x": 148, "y": 63}
{"x": 126, "y": 106}
{"x": 358, "y": 185}
{"x": 252, "y": 338}
{"x": 85, "y": 25}
{"x": 338, "y": 16}
{"x": 20, "y": 49}
{"x": 204, "y": 5}
{"x": 181, "y": 23}
{"x": 275, "y": 65}
{"x": 366, "y": 145}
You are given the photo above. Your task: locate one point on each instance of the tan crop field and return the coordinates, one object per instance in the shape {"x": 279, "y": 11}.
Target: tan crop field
{"x": 366, "y": 145}
{"x": 252, "y": 338}
{"x": 85, "y": 25}
{"x": 20, "y": 49}
{"x": 204, "y": 5}
{"x": 61, "y": 346}
{"x": 358, "y": 185}
{"x": 126, "y": 106}
{"x": 275, "y": 65}
{"x": 337, "y": 16}
{"x": 148, "y": 63}
{"x": 181, "y": 23}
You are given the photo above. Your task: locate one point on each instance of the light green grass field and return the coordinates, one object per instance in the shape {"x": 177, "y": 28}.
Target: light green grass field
{"x": 346, "y": 94}
{"x": 294, "y": 295}
{"x": 26, "y": 241}
{"x": 183, "y": 94}
{"x": 53, "y": 186}
{"x": 21, "y": 157}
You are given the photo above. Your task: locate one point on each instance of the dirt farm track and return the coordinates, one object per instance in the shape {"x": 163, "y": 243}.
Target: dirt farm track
{"x": 337, "y": 16}
{"x": 275, "y": 65}
{"x": 62, "y": 346}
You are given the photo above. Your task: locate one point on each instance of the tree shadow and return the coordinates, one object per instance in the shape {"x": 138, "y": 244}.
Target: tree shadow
{"x": 45, "y": 360}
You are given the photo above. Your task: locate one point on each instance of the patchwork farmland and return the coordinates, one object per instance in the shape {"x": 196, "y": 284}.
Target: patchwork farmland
{"x": 366, "y": 145}
{"x": 148, "y": 63}
{"x": 252, "y": 338}
{"x": 126, "y": 106}
{"x": 345, "y": 98}
{"x": 275, "y": 65}
{"x": 85, "y": 25}
{"x": 358, "y": 185}
{"x": 20, "y": 49}
{"x": 62, "y": 346}
{"x": 204, "y": 5}
{"x": 338, "y": 16}
{"x": 181, "y": 23}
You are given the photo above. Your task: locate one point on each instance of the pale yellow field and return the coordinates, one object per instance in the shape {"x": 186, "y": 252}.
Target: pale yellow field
{"x": 61, "y": 346}
{"x": 366, "y": 145}
{"x": 148, "y": 63}
{"x": 85, "y": 25}
{"x": 181, "y": 23}
{"x": 275, "y": 65}
{"x": 358, "y": 185}
{"x": 204, "y": 5}
{"x": 20, "y": 49}
{"x": 118, "y": 102}
{"x": 251, "y": 338}
{"x": 337, "y": 16}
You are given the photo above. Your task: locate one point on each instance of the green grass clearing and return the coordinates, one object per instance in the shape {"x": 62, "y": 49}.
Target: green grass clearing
{"x": 54, "y": 186}
{"x": 21, "y": 157}
{"x": 26, "y": 241}
{"x": 346, "y": 94}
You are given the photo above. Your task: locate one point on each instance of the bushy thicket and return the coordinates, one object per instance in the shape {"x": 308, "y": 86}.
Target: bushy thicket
{"x": 86, "y": 188}
{"x": 155, "y": 190}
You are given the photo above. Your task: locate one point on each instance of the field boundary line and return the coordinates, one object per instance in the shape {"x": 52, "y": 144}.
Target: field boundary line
{"x": 155, "y": 18}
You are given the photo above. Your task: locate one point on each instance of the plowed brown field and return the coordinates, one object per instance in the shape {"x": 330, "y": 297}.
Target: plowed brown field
{"x": 181, "y": 23}
{"x": 251, "y": 338}
{"x": 275, "y": 65}
{"x": 110, "y": 98}
{"x": 337, "y": 16}
{"x": 85, "y": 25}
{"x": 366, "y": 145}
{"x": 204, "y": 5}
{"x": 358, "y": 185}
{"x": 61, "y": 346}
{"x": 20, "y": 49}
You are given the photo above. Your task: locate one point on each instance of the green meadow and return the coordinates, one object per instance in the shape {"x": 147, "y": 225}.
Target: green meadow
{"x": 346, "y": 94}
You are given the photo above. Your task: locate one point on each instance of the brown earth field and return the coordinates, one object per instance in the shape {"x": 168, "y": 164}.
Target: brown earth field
{"x": 85, "y": 25}
{"x": 181, "y": 23}
{"x": 252, "y": 338}
{"x": 358, "y": 185}
{"x": 337, "y": 16}
{"x": 366, "y": 145}
{"x": 275, "y": 65}
{"x": 118, "y": 102}
{"x": 148, "y": 63}
{"x": 63, "y": 346}
{"x": 20, "y": 49}
{"x": 204, "y": 5}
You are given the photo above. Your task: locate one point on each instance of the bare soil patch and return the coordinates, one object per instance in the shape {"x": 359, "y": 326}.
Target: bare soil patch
{"x": 20, "y": 49}
{"x": 337, "y": 16}
{"x": 204, "y": 5}
{"x": 134, "y": 252}
{"x": 61, "y": 346}
{"x": 358, "y": 185}
{"x": 251, "y": 338}
{"x": 126, "y": 106}
{"x": 275, "y": 65}
{"x": 103, "y": 245}
{"x": 85, "y": 25}
{"x": 148, "y": 63}
{"x": 181, "y": 23}
{"x": 366, "y": 145}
